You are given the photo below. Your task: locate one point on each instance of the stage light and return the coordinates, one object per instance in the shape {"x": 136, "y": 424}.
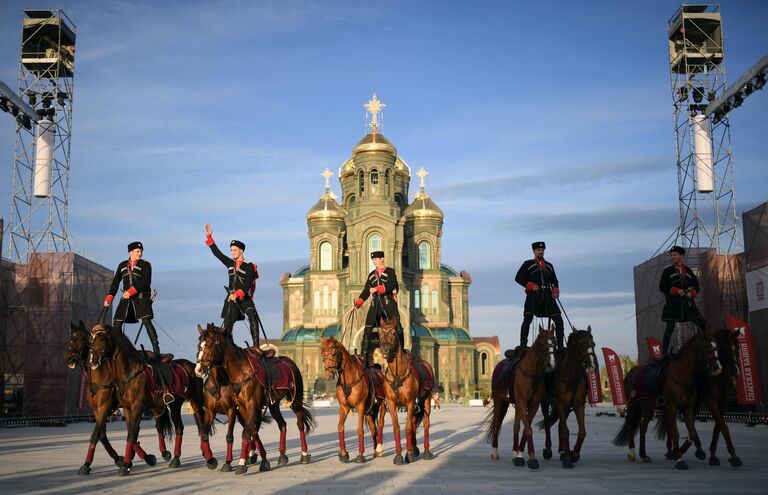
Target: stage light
{"x": 32, "y": 97}
{"x": 711, "y": 96}
{"x": 748, "y": 88}
{"x": 61, "y": 97}
{"x": 683, "y": 93}
{"x": 760, "y": 80}
{"x": 738, "y": 99}
{"x": 4, "y": 104}
{"x": 698, "y": 94}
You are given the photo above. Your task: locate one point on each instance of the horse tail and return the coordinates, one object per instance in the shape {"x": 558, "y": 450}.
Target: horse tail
{"x": 632, "y": 416}
{"x": 418, "y": 414}
{"x": 491, "y": 430}
{"x": 308, "y": 420}
{"x": 266, "y": 419}
{"x": 165, "y": 424}
{"x": 662, "y": 428}
{"x": 549, "y": 418}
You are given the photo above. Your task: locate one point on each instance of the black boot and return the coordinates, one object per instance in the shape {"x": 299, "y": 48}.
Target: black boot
{"x": 152, "y": 334}
{"x": 254, "y": 327}
{"x": 366, "y": 349}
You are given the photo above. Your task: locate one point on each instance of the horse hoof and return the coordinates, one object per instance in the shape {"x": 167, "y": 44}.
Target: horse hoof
{"x": 360, "y": 459}
{"x": 700, "y": 455}
{"x": 519, "y": 461}
{"x": 118, "y": 461}
{"x": 226, "y": 467}
{"x": 647, "y": 460}
{"x": 84, "y": 470}
{"x": 264, "y": 466}
{"x": 410, "y": 457}
{"x": 669, "y": 456}
{"x": 681, "y": 465}
{"x": 714, "y": 461}
{"x": 175, "y": 462}
{"x": 562, "y": 456}
{"x": 282, "y": 460}
{"x": 735, "y": 461}
{"x": 241, "y": 469}
{"x": 398, "y": 460}
{"x": 304, "y": 459}
{"x": 494, "y": 457}
{"x": 428, "y": 455}
{"x": 253, "y": 459}
{"x": 150, "y": 459}
{"x": 575, "y": 456}
{"x": 344, "y": 458}
{"x": 632, "y": 456}
{"x": 547, "y": 454}
{"x": 533, "y": 464}
{"x": 211, "y": 463}
{"x": 167, "y": 455}
{"x": 124, "y": 470}
{"x": 416, "y": 451}
{"x": 567, "y": 462}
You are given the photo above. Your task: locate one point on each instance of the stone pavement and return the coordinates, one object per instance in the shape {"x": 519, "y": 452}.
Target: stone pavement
{"x": 46, "y": 460}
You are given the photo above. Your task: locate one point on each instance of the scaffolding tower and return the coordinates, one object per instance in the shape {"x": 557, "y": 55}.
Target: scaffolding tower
{"x": 41, "y": 163}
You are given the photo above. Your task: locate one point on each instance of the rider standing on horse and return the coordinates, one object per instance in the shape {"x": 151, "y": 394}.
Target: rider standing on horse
{"x": 136, "y": 302}
{"x": 680, "y": 287}
{"x": 382, "y": 286}
{"x": 537, "y": 276}
{"x": 242, "y": 284}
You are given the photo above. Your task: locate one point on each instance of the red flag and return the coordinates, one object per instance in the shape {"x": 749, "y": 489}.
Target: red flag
{"x": 595, "y": 391}
{"x": 748, "y": 381}
{"x": 654, "y": 347}
{"x": 615, "y": 376}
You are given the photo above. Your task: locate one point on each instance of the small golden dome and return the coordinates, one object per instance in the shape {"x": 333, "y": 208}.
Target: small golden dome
{"x": 374, "y": 141}
{"x": 423, "y": 207}
{"x": 326, "y": 209}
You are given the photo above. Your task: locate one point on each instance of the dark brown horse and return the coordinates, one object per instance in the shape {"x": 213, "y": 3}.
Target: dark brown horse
{"x": 216, "y": 348}
{"x": 408, "y": 383}
{"x": 717, "y": 391}
{"x": 101, "y": 398}
{"x": 113, "y": 351}
{"x": 523, "y": 387}
{"x": 355, "y": 391}
{"x": 569, "y": 388}
{"x": 696, "y": 361}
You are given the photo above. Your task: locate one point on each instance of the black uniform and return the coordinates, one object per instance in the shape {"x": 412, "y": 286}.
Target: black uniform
{"x": 675, "y": 282}
{"x": 242, "y": 282}
{"x": 137, "y": 281}
{"x": 382, "y": 306}
{"x": 540, "y": 303}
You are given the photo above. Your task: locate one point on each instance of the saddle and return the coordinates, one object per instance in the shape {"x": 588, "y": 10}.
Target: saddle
{"x": 373, "y": 375}
{"x": 166, "y": 377}
{"x": 502, "y": 379}
{"x": 161, "y": 368}
{"x": 649, "y": 381}
{"x": 268, "y": 363}
{"x": 273, "y": 373}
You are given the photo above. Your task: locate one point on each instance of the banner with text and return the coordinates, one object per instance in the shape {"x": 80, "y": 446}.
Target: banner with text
{"x": 615, "y": 376}
{"x": 654, "y": 347}
{"x": 748, "y": 381}
{"x": 595, "y": 395}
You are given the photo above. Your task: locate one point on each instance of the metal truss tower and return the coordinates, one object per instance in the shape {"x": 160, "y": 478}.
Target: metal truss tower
{"x": 41, "y": 164}
{"x": 703, "y": 145}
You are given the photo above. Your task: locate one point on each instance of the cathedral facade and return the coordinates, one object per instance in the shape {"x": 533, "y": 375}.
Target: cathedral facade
{"x": 375, "y": 214}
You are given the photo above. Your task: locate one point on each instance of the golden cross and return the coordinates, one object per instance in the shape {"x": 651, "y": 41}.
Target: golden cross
{"x": 327, "y": 174}
{"x": 374, "y": 107}
{"x": 422, "y": 174}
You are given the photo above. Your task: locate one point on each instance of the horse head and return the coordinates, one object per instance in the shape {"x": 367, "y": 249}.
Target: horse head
{"x": 77, "y": 346}
{"x": 704, "y": 349}
{"x": 100, "y": 344}
{"x": 581, "y": 344}
{"x": 332, "y": 357}
{"x": 544, "y": 347}
{"x": 209, "y": 348}
{"x": 388, "y": 339}
{"x": 728, "y": 350}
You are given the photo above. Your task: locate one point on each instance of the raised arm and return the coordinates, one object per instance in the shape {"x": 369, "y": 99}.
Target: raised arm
{"x": 226, "y": 260}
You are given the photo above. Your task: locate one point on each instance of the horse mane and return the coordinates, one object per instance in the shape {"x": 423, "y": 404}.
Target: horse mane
{"x": 689, "y": 343}
{"x": 126, "y": 347}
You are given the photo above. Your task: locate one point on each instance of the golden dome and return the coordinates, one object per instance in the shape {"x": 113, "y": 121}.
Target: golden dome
{"x": 423, "y": 207}
{"x": 326, "y": 209}
{"x": 374, "y": 141}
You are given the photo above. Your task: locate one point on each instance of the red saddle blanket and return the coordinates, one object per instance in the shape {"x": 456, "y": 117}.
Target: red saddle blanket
{"x": 649, "y": 380}
{"x": 423, "y": 370}
{"x": 286, "y": 380}
{"x": 179, "y": 385}
{"x": 501, "y": 380}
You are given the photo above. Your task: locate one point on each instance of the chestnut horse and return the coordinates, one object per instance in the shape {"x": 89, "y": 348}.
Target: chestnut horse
{"x": 524, "y": 388}
{"x": 569, "y": 388}
{"x": 101, "y": 397}
{"x": 696, "y": 361}
{"x": 409, "y": 382}
{"x": 356, "y": 392}
{"x": 112, "y": 350}
{"x": 216, "y": 348}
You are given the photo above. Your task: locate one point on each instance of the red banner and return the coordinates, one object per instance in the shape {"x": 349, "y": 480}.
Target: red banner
{"x": 615, "y": 376}
{"x": 595, "y": 395}
{"x": 748, "y": 381}
{"x": 81, "y": 395}
{"x": 654, "y": 347}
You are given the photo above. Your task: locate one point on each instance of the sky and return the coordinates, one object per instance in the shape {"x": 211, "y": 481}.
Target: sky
{"x": 535, "y": 120}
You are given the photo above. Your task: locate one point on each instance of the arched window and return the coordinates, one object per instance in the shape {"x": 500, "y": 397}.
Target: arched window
{"x": 484, "y": 363}
{"x": 374, "y": 177}
{"x": 326, "y": 293}
{"x": 326, "y": 256}
{"x": 417, "y": 299}
{"x": 334, "y": 302}
{"x": 425, "y": 256}
{"x": 386, "y": 178}
{"x": 361, "y": 178}
{"x": 434, "y": 300}
{"x": 374, "y": 244}
{"x": 316, "y": 305}
{"x": 425, "y": 297}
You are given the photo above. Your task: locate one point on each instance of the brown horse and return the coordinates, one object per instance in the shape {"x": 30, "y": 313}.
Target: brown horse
{"x": 356, "y": 392}
{"x": 717, "y": 391}
{"x": 569, "y": 386}
{"x": 523, "y": 387}
{"x": 696, "y": 360}
{"x": 127, "y": 366}
{"x": 102, "y": 400}
{"x": 216, "y": 348}
{"x": 409, "y": 381}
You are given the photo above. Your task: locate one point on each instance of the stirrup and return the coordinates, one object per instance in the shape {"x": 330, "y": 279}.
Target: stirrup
{"x": 166, "y": 401}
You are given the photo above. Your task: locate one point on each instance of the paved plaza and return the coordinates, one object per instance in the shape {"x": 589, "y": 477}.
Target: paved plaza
{"x": 46, "y": 460}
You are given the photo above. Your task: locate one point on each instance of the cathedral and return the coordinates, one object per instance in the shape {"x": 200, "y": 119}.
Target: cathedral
{"x": 375, "y": 214}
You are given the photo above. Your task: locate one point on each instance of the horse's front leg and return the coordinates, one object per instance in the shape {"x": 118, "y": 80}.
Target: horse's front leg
{"x": 545, "y": 412}
{"x": 427, "y": 405}
{"x": 178, "y": 427}
{"x": 410, "y": 427}
{"x": 100, "y": 415}
{"x": 360, "y": 408}
{"x": 674, "y": 435}
{"x": 132, "y": 422}
{"x": 517, "y": 447}
{"x": 527, "y": 419}
{"x": 392, "y": 406}
{"x": 564, "y": 438}
{"x": 343, "y": 412}
{"x": 579, "y": 411}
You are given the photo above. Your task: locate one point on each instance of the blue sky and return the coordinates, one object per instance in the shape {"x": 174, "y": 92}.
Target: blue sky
{"x": 543, "y": 120}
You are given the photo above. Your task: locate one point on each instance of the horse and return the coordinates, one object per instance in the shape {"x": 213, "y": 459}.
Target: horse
{"x": 696, "y": 360}
{"x": 355, "y": 389}
{"x": 102, "y": 400}
{"x": 716, "y": 392}
{"x": 520, "y": 384}
{"x": 216, "y": 348}
{"x": 409, "y": 381}
{"x": 569, "y": 388}
{"x": 130, "y": 372}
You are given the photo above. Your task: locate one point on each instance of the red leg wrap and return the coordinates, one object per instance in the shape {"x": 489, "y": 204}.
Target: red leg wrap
{"x": 139, "y": 451}
{"x": 177, "y": 446}
{"x": 89, "y": 455}
{"x": 342, "y": 442}
{"x": 205, "y": 447}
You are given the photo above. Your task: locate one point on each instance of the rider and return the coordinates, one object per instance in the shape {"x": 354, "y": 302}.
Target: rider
{"x": 680, "y": 286}
{"x": 242, "y": 285}
{"x": 382, "y": 284}
{"x": 538, "y": 278}
{"x": 136, "y": 302}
